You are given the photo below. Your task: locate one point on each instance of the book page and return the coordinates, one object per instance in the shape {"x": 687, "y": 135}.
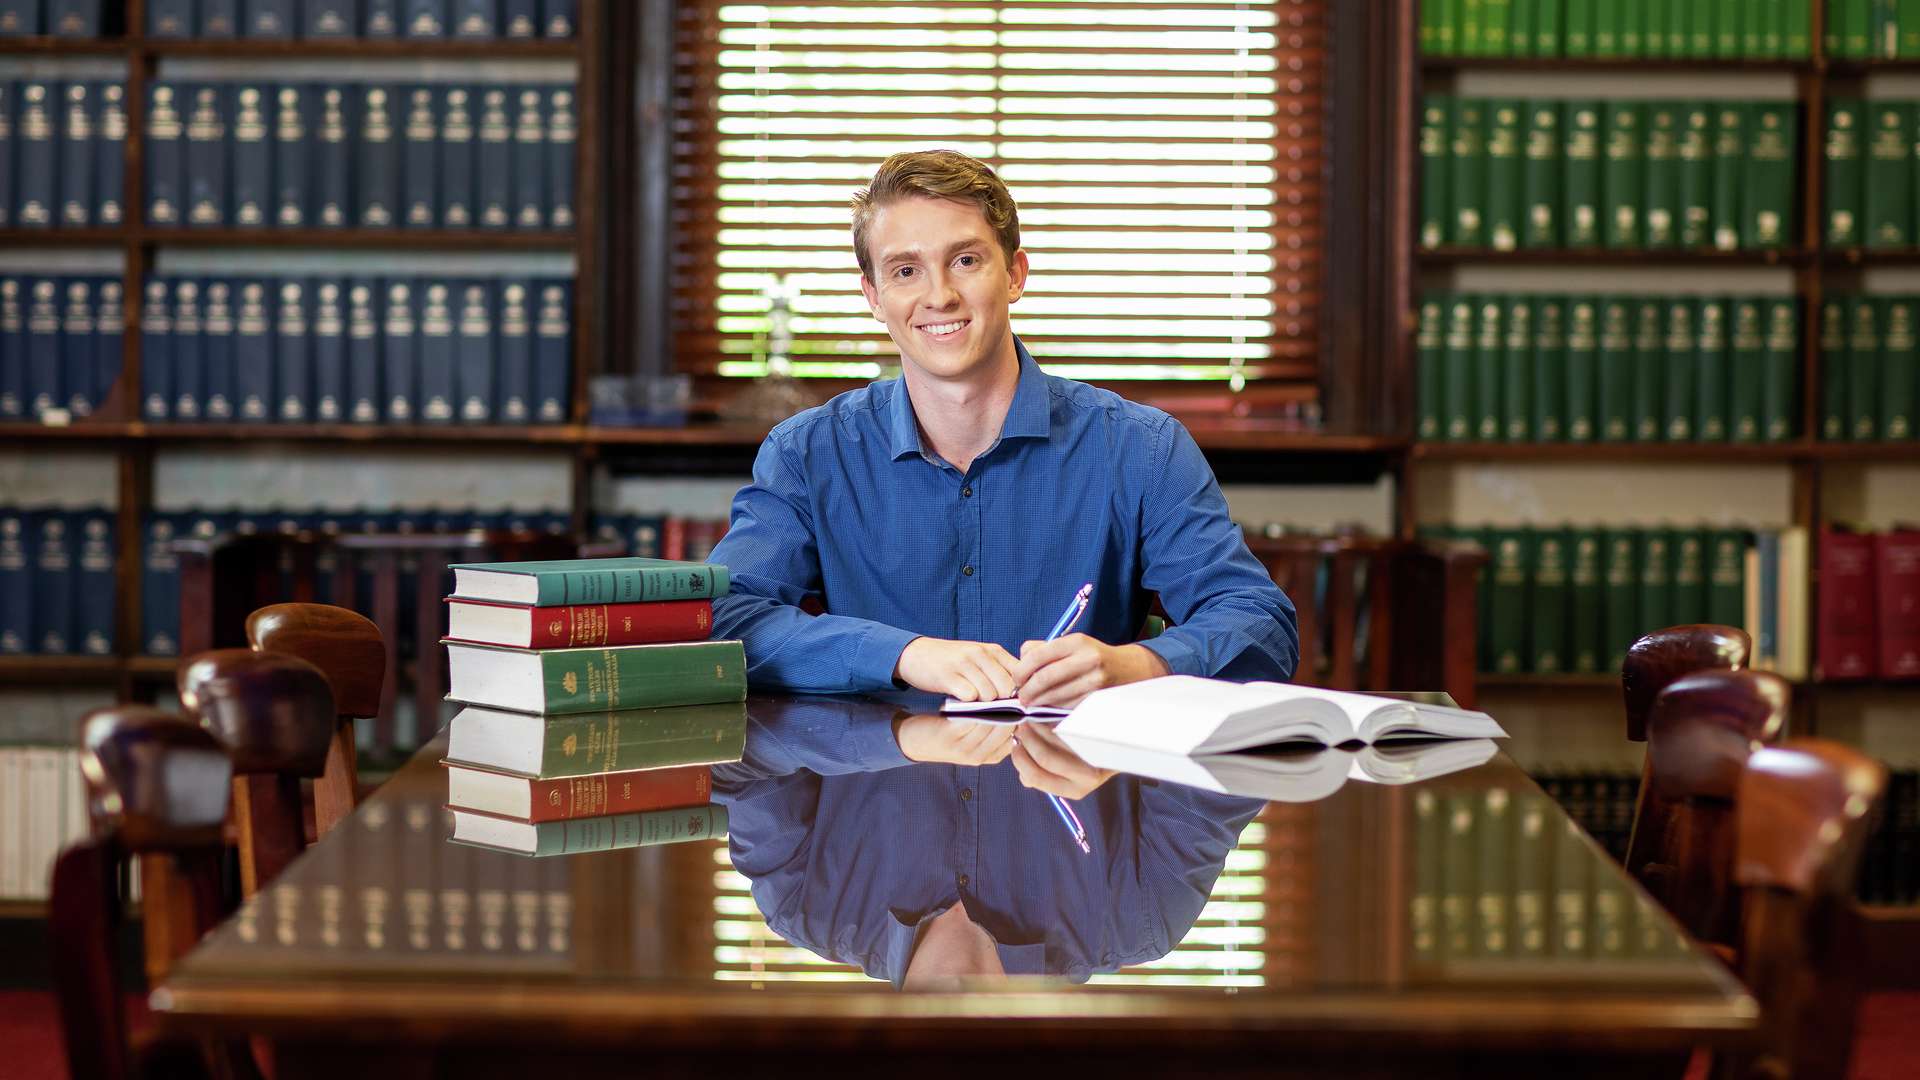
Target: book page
{"x": 1002, "y": 711}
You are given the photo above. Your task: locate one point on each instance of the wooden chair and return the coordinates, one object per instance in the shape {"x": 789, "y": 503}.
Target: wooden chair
{"x": 276, "y": 717}
{"x": 1806, "y": 808}
{"x": 350, "y": 652}
{"x": 1701, "y": 732}
{"x": 156, "y": 791}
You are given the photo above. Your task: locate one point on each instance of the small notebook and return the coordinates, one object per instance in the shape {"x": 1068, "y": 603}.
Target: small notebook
{"x": 1003, "y": 711}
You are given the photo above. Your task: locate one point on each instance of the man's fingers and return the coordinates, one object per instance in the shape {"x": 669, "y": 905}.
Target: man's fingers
{"x": 1035, "y": 655}
{"x": 1053, "y": 756}
{"x": 996, "y": 676}
{"x": 1067, "y": 695}
{"x": 1061, "y": 671}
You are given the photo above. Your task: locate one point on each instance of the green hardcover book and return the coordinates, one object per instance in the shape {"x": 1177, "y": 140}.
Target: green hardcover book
{"x": 1467, "y": 184}
{"x": 1459, "y": 934}
{"x": 1649, "y": 370}
{"x": 1547, "y": 604}
{"x": 587, "y": 581}
{"x": 1727, "y": 577}
{"x": 1489, "y": 348}
{"x": 551, "y": 681}
{"x": 1661, "y": 199}
{"x": 1727, "y": 24}
{"x": 1909, "y": 25}
{"x": 1583, "y": 348}
{"x": 1796, "y": 35}
{"x": 1780, "y": 379}
{"x": 1446, "y": 26}
{"x": 1654, "y": 605}
{"x": 1516, "y": 367}
{"x": 1428, "y": 342}
{"x": 1729, "y": 172}
{"x": 1885, "y": 43}
{"x": 1429, "y": 19}
{"x": 1423, "y": 906}
{"x": 1581, "y": 221}
{"x": 1655, "y": 16}
{"x": 1710, "y": 372}
{"x": 1863, "y": 369}
{"x": 1621, "y": 595}
{"x": 1548, "y": 23}
{"x": 1503, "y": 174}
{"x": 1496, "y": 17}
{"x": 1572, "y": 933}
{"x": 1889, "y": 176}
{"x": 1585, "y": 614}
{"x": 1856, "y": 27}
{"x": 1577, "y": 31}
{"x": 1488, "y": 539}
{"x": 1632, "y": 16}
{"x": 580, "y": 835}
{"x": 1532, "y": 882}
{"x": 1608, "y": 21}
{"x": 553, "y": 747}
{"x": 1549, "y": 368}
{"x": 1507, "y": 611}
{"x": 1845, "y": 178}
{"x": 1696, "y": 175}
{"x": 1700, "y": 29}
{"x": 1520, "y": 26}
{"x": 1835, "y": 370}
{"x": 1623, "y": 177}
{"x": 1688, "y": 550}
{"x": 1540, "y": 175}
{"x": 1897, "y": 369}
{"x": 1679, "y": 22}
{"x": 1746, "y": 372}
{"x": 1833, "y": 39}
{"x": 1493, "y": 841}
{"x": 1456, "y": 378}
{"x": 1473, "y": 23}
{"x": 1772, "y": 29}
{"x": 1755, "y": 18}
{"x": 1682, "y": 359}
{"x": 1769, "y": 188}
{"x": 1435, "y": 169}
{"x": 1615, "y": 369}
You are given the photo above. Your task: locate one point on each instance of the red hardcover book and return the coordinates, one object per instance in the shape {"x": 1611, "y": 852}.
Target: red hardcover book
{"x": 673, "y": 538}
{"x": 1896, "y": 568}
{"x": 567, "y": 798}
{"x": 1845, "y": 628}
{"x": 580, "y": 624}
{"x": 702, "y": 534}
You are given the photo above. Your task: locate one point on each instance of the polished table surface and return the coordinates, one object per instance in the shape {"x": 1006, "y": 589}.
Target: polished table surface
{"x": 1368, "y": 926}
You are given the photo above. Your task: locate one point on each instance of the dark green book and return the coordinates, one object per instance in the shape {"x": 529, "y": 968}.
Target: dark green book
{"x": 1456, "y": 379}
{"x": 1729, "y": 172}
{"x": 1435, "y": 169}
{"x": 1649, "y": 370}
{"x": 1577, "y": 31}
{"x": 594, "y": 680}
{"x": 1549, "y": 368}
{"x": 1796, "y": 33}
{"x": 1909, "y": 24}
{"x": 1532, "y": 868}
{"x": 1429, "y": 18}
{"x": 1779, "y": 395}
{"x": 1845, "y": 177}
{"x": 1863, "y": 369}
{"x": 1885, "y": 44}
{"x": 1583, "y": 349}
{"x": 1472, "y": 27}
{"x": 1459, "y": 928}
{"x": 1432, "y": 358}
{"x": 1520, "y": 25}
{"x": 1620, "y": 554}
{"x": 1446, "y": 26}
{"x": 1489, "y": 347}
{"x": 1679, "y": 22}
{"x": 1582, "y": 175}
{"x": 1727, "y": 577}
{"x": 1548, "y": 22}
{"x": 1632, "y": 20}
{"x": 1540, "y": 175}
{"x": 1754, "y": 20}
{"x": 1769, "y": 189}
{"x": 1661, "y": 200}
{"x": 1688, "y": 550}
{"x": 1607, "y": 23}
{"x": 1710, "y": 372}
{"x": 1585, "y": 614}
{"x": 1897, "y": 368}
{"x": 1727, "y": 20}
{"x": 1682, "y": 360}
{"x": 1623, "y": 178}
{"x": 1856, "y": 27}
{"x": 1547, "y": 604}
{"x": 1746, "y": 371}
{"x": 1889, "y": 176}
{"x": 1615, "y": 369}
{"x": 1507, "y": 613}
{"x": 1655, "y": 18}
{"x": 1487, "y": 537}
{"x": 1700, "y": 29}
{"x": 1836, "y": 372}
{"x": 1503, "y": 174}
{"x": 1696, "y": 175}
{"x": 581, "y": 744}
{"x": 1467, "y": 164}
{"x": 1772, "y": 33}
{"x": 1654, "y": 605}
{"x": 1516, "y": 367}
{"x": 1496, "y": 17}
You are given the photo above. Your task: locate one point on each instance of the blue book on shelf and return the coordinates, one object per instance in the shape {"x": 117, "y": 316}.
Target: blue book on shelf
{"x": 292, "y": 352}
{"x": 16, "y": 581}
{"x": 44, "y": 389}
{"x": 530, "y": 160}
{"x": 332, "y": 19}
{"x": 166, "y": 154}
{"x": 252, "y": 150}
{"x": 93, "y": 589}
{"x": 156, "y": 352}
{"x": 110, "y": 154}
{"x": 170, "y": 19}
{"x": 562, "y": 132}
{"x": 553, "y": 353}
{"x": 333, "y": 206}
{"x": 457, "y": 155}
{"x": 189, "y": 350}
{"x": 253, "y": 350}
{"x": 559, "y": 18}
{"x": 420, "y": 194}
{"x": 363, "y": 405}
{"x": 379, "y": 166}
{"x": 514, "y": 396}
{"x": 399, "y": 382}
{"x": 13, "y": 349}
{"x": 494, "y": 167}
{"x": 20, "y": 18}
{"x": 270, "y": 19}
{"x": 293, "y": 135}
{"x": 435, "y": 337}
{"x": 35, "y": 132}
{"x": 73, "y": 18}
{"x": 207, "y": 155}
{"x": 219, "y": 19}
{"x": 380, "y": 18}
{"x": 109, "y": 336}
{"x": 329, "y": 338}
{"x": 425, "y": 18}
{"x": 76, "y": 345}
{"x": 647, "y": 536}
{"x": 160, "y": 586}
{"x": 8, "y": 150}
{"x": 52, "y": 583}
{"x": 476, "y": 20}
{"x": 78, "y": 127}
{"x": 520, "y": 19}
{"x": 475, "y": 376}
{"x": 219, "y": 385}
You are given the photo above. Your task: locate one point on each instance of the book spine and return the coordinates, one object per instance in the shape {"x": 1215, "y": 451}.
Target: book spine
{"x": 1458, "y": 942}
{"x": 1488, "y": 364}
{"x": 364, "y": 396}
{"x": 529, "y": 161}
{"x": 8, "y": 152}
{"x": 1863, "y": 369}
{"x": 270, "y": 19}
{"x": 1727, "y": 577}
{"x": 252, "y": 152}
{"x": 36, "y": 184}
{"x": 1688, "y": 549}
{"x": 156, "y": 361}
{"x": 553, "y": 353}
{"x": 420, "y": 159}
{"x": 1649, "y": 362}
{"x": 333, "y": 204}
{"x": 207, "y": 159}
{"x": 1549, "y": 406}
{"x": 253, "y": 366}
{"x": 331, "y": 19}
{"x": 1456, "y": 387}
{"x": 1581, "y": 177}
{"x": 219, "y": 352}
{"x": 457, "y": 156}
{"x": 1532, "y": 869}
{"x": 1889, "y": 176}
{"x": 110, "y": 158}
{"x": 1797, "y": 29}
{"x": 1623, "y": 177}
{"x": 1908, "y": 16}
{"x": 621, "y": 624}
{"x": 1540, "y": 176}
{"x": 73, "y": 18}
{"x": 170, "y": 18}
{"x": 1582, "y": 379}
{"x": 1427, "y": 341}
{"x": 1897, "y": 369}
{"x": 1847, "y": 617}
{"x": 76, "y": 341}
{"x": 475, "y": 371}
{"x": 1681, "y": 380}
{"x": 561, "y": 137}
{"x": 1507, "y": 600}
{"x": 1525, "y": 14}
{"x": 1727, "y": 25}
{"x": 494, "y": 192}
{"x": 379, "y": 166}
{"x": 1547, "y": 604}
{"x": 559, "y": 18}
{"x": 630, "y": 585}
{"x": 13, "y": 349}
{"x": 1516, "y": 367}
{"x": 1578, "y": 30}
{"x": 219, "y": 19}
{"x": 21, "y": 18}
{"x": 329, "y": 351}
{"x": 1423, "y": 906}
{"x": 1696, "y": 176}
{"x": 520, "y": 19}
{"x": 1768, "y": 30}
{"x": 475, "y": 20}
{"x": 1729, "y": 173}
{"x": 1769, "y": 187}
{"x": 1655, "y": 19}
{"x": 1780, "y": 382}
{"x": 1548, "y": 27}
{"x": 1835, "y": 370}
{"x": 1503, "y": 206}
{"x": 16, "y": 582}
{"x": 1496, "y": 18}
{"x": 1896, "y": 567}
{"x": 435, "y": 341}
{"x": 1710, "y": 372}
{"x": 631, "y": 830}
{"x": 515, "y": 393}
{"x": 1654, "y": 604}
{"x": 573, "y": 797}
{"x": 94, "y": 584}
{"x": 293, "y": 130}
{"x": 293, "y": 355}
{"x": 1885, "y": 42}
{"x": 159, "y": 587}
{"x": 1746, "y": 373}
{"x": 1493, "y": 873}
{"x": 1467, "y": 164}
{"x": 1661, "y": 195}
{"x": 77, "y": 134}
{"x": 380, "y": 19}
{"x": 1616, "y": 370}
{"x": 1586, "y": 613}
{"x": 109, "y": 334}
{"x": 53, "y": 584}
{"x": 1845, "y": 178}
{"x": 45, "y": 392}
{"x": 424, "y": 18}
{"x": 399, "y": 379}
{"x": 648, "y": 677}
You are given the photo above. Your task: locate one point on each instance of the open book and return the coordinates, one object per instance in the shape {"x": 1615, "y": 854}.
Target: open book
{"x": 1001, "y": 711}
{"x": 1183, "y": 714}
{"x": 1297, "y": 774}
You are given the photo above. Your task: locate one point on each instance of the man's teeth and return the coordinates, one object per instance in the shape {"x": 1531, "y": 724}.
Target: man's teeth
{"x": 942, "y": 328}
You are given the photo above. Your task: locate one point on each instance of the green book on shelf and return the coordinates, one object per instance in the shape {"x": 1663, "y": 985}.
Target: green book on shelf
{"x": 1845, "y": 176}
{"x": 1679, "y": 24}
{"x": 1654, "y": 604}
{"x": 1768, "y": 217}
{"x": 1456, "y": 379}
{"x": 1435, "y": 171}
{"x": 1485, "y": 536}
{"x": 1488, "y": 347}
{"x": 1779, "y": 394}
{"x": 1632, "y": 17}
{"x": 1863, "y": 369}
{"x": 1620, "y": 598}
{"x": 1503, "y": 174}
{"x": 1756, "y": 16}
{"x": 1856, "y": 27}
{"x": 1548, "y": 22}
{"x": 1473, "y": 15}
{"x": 1700, "y": 29}
{"x": 1446, "y": 25}
{"x": 1835, "y": 370}
{"x": 1577, "y": 31}
{"x": 1549, "y": 368}
{"x": 1772, "y": 30}
{"x": 1728, "y": 17}
{"x": 1516, "y": 369}
{"x": 1507, "y": 613}
{"x": 1909, "y": 26}
{"x": 1623, "y": 177}
{"x": 1520, "y": 27}
{"x": 1885, "y": 44}
{"x": 1581, "y": 221}
{"x": 1608, "y": 21}
{"x": 1655, "y": 16}
{"x": 1796, "y": 34}
{"x": 1467, "y": 164}
{"x": 1727, "y": 577}
{"x": 1660, "y": 199}
{"x": 1649, "y": 370}
{"x": 1688, "y": 550}
{"x": 1532, "y": 881}
{"x": 1729, "y": 172}
{"x": 1459, "y": 936}
{"x": 1585, "y": 615}
{"x": 1696, "y": 175}
{"x": 1428, "y": 392}
{"x": 1889, "y": 175}
{"x": 1897, "y": 369}
{"x": 1583, "y": 348}
{"x": 1682, "y": 359}
{"x": 1615, "y": 369}
{"x": 1710, "y": 372}
{"x": 1547, "y": 604}
{"x": 1496, "y": 18}
{"x": 1540, "y": 175}
{"x": 1429, "y": 18}
{"x": 1746, "y": 371}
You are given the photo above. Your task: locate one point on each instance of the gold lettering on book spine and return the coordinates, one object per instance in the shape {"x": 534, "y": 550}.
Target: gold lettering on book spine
{"x": 589, "y": 625}
{"x": 589, "y": 796}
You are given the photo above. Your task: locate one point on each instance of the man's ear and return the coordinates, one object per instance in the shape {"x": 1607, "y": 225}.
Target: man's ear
{"x": 873, "y": 297}
{"x": 1017, "y": 276}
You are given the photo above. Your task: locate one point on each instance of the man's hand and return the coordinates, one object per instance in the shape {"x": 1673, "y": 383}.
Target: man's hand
{"x": 1062, "y": 671}
{"x": 966, "y": 670}
{"x": 1046, "y": 764}
{"x": 933, "y": 738}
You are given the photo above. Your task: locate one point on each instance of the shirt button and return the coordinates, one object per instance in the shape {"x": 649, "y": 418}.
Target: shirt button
{"x": 966, "y": 492}
{"x": 963, "y": 881}
{"x": 966, "y": 793}
{"x": 967, "y": 569}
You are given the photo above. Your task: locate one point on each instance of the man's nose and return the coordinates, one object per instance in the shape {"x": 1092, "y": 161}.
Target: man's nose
{"x": 940, "y": 291}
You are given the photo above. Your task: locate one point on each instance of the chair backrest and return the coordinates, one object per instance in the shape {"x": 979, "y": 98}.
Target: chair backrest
{"x": 1656, "y": 660}
{"x": 1701, "y": 732}
{"x": 349, "y": 650}
{"x": 1806, "y": 808}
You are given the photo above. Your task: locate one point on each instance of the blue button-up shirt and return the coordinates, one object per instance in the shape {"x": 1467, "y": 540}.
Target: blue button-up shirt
{"x": 849, "y": 506}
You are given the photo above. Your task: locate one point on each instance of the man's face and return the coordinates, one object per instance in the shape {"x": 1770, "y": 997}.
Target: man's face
{"x": 942, "y": 285}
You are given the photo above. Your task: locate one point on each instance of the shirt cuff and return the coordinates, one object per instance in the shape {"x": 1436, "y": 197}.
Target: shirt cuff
{"x": 1181, "y": 657}
{"x": 878, "y": 655}
{"x": 874, "y": 745}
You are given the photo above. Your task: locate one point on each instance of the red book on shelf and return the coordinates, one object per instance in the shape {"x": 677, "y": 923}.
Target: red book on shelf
{"x": 673, "y": 538}
{"x": 567, "y": 798}
{"x": 1845, "y": 627}
{"x": 1896, "y": 568}
{"x": 580, "y": 624}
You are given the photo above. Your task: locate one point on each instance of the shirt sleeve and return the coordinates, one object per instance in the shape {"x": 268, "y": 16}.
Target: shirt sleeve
{"x": 1229, "y": 618}
{"x": 771, "y": 552}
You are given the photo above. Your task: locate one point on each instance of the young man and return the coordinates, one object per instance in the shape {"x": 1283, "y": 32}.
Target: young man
{"x": 944, "y": 518}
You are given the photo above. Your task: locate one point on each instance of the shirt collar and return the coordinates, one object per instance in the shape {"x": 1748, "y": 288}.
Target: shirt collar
{"x": 1030, "y": 416}
{"x": 901, "y": 937}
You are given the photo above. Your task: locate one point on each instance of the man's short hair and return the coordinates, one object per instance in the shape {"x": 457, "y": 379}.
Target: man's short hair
{"x": 935, "y": 174}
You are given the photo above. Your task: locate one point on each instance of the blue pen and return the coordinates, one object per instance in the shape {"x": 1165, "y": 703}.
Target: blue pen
{"x": 1075, "y": 607}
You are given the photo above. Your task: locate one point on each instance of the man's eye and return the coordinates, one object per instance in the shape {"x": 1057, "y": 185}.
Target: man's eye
{"x": 904, "y": 271}
{"x": 967, "y": 260}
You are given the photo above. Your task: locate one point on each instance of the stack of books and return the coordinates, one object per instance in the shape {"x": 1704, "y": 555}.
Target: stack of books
{"x": 595, "y": 705}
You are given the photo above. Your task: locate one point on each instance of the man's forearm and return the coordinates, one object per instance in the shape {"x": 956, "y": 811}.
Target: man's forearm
{"x": 790, "y": 649}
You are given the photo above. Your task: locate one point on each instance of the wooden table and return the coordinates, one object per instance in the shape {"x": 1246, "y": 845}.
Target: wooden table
{"x": 387, "y": 950}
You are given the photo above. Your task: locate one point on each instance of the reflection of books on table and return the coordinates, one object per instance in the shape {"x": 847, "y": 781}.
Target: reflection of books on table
{"x": 1294, "y": 774}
